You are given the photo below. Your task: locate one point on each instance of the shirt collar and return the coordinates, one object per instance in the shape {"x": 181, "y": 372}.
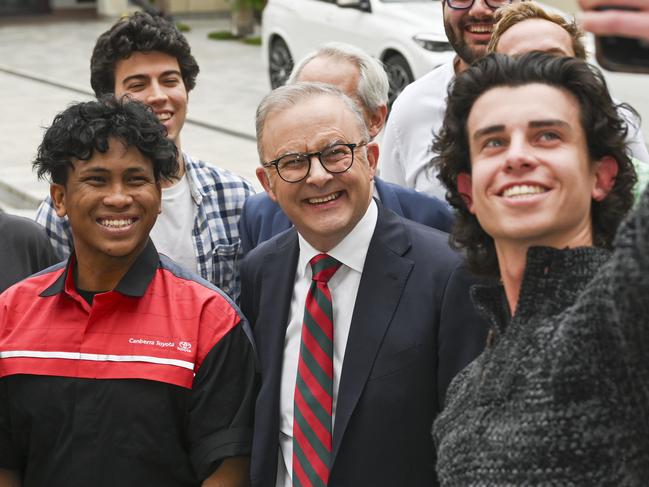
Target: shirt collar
{"x": 195, "y": 186}
{"x": 351, "y": 250}
{"x": 134, "y": 283}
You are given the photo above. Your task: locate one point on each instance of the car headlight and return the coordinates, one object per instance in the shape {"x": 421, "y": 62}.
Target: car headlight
{"x": 432, "y": 42}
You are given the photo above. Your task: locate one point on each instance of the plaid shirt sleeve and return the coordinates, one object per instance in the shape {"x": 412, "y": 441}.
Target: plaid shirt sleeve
{"x": 57, "y": 228}
{"x": 216, "y": 232}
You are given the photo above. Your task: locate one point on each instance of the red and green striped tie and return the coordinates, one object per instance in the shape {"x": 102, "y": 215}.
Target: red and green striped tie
{"x": 314, "y": 386}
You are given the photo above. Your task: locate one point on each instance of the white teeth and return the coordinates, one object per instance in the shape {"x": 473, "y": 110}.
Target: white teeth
{"x": 324, "y": 199}
{"x": 164, "y": 116}
{"x": 523, "y": 190}
{"x": 480, "y": 29}
{"x": 116, "y": 223}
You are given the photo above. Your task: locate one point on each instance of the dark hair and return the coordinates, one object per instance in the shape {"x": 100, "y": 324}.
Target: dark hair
{"x": 604, "y": 129}
{"x": 139, "y": 32}
{"x": 83, "y": 128}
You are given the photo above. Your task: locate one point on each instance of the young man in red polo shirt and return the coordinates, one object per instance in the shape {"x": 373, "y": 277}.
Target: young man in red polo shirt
{"x": 118, "y": 367}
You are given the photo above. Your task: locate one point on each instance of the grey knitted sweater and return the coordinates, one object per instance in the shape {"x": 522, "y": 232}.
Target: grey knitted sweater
{"x": 560, "y": 396}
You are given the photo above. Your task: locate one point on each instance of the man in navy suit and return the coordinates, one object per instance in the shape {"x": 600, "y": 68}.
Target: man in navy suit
{"x": 351, "y": 404}
{"x": 363, "y": 79}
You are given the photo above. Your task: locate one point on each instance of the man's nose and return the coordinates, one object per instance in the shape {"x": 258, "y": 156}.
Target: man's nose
{"x": 519, "y": 155}
{"x": 480, "y": 9}
{"x": 155, "y": 94}
{"x": 318, "y": 175}
{"x": 118, "y": 197}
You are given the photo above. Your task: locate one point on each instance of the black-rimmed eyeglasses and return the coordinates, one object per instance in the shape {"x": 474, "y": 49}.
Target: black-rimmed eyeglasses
{"x": 335, "y": 159}
{"x": 466, "y": 4}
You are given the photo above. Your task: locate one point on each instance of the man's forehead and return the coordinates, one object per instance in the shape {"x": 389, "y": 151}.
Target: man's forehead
{"x": 340, "y": 73}
{"x": 147, "y": 64}
{"x": 310, "y": 124}
{"x": 502, "y": 106}
{"x": 536, "y": 35}
{"x": 118, "y": 156}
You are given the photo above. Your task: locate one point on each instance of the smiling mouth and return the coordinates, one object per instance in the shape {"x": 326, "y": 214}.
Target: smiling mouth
{"x": 163, "y": 117}
{"x": 324, "y": 199}
{"x": 116, "y": 223}
{"x": 479, "y": 28}
{"x": 523, "y": 190}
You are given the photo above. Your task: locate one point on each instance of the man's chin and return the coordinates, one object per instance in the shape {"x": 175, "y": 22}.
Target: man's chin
{"x": 469, "y": 54}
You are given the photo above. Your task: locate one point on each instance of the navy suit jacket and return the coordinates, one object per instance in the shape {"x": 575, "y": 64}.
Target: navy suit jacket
{"x": 262, "y": 218}
{"x": 413, "y": 328}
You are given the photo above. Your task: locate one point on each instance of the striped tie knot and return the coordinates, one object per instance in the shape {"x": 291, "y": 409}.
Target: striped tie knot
{"x": 323, "y": 267}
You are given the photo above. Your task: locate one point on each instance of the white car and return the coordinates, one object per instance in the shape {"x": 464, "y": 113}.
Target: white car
{"x": 407, "y": 35}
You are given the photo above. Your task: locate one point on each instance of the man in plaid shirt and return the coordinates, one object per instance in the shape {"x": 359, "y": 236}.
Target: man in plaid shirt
{"x": 148, "y": 59}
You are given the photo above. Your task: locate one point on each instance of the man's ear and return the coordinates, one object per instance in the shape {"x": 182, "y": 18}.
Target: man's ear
{"x": 57, "y": 193}
{"x": 372, "y": 157}
{"x": 605, "y": 173}
{"x": 377, "y": 120}
{"x": 464, "y": 188}
{"x": 264, "y": 179}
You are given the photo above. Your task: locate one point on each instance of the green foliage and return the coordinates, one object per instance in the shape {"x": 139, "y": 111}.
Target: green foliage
{"x": 221, "y": 35}
{"x": 253, "y": 41}
{"x": 255, "y": 5}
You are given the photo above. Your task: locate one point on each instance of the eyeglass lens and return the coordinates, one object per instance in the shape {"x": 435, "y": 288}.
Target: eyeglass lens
{"x": 335, "y": 159}
{"x": 464, "y": 4}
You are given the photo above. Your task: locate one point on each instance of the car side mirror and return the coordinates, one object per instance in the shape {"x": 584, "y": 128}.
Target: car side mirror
{"x": 362, "y": 5}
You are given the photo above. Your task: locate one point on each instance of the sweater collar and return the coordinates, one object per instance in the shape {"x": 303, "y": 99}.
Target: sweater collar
{"x": 552, "y": 280}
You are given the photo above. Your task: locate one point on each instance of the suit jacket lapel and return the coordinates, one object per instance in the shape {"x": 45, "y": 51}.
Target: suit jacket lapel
{"x": 278, "y": 276}
{"x": 384, "y": 276}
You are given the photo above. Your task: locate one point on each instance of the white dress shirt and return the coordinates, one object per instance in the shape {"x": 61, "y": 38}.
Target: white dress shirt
{"x": 351, "y": 252}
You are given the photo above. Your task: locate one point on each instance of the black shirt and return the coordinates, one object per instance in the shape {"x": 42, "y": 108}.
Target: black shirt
{"x": 24, "y": 249}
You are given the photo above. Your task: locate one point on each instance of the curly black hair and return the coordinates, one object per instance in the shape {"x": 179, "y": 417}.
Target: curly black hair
{"x": 139, "y": 32}
{"x": 604, "y": 129}
{"x": 83, "y": 128}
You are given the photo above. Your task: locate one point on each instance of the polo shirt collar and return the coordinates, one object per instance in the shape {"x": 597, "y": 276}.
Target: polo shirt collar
{"x": 134, "y": 283}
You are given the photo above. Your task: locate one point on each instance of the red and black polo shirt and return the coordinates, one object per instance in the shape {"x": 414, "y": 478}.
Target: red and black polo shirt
{"x": 152, "y": 384}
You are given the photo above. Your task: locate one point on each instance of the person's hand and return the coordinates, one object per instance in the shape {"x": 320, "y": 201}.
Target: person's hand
{"x": 616, "y": 22}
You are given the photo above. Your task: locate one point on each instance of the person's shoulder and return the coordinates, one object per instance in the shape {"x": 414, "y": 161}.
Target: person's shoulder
{"x": 413, "y": 195}
{"x": 193, "y": 283}
{"x": 260, "y": 203}
{"x": 272, "y": 245}
{"x": 431, "y": 85}
{"x": 420, "y": 207}
{"x": 213, "y": 177}
{"x": 20, "y": 229}
{"x": 429, "y": 244}
{"x": 34, "y": 285}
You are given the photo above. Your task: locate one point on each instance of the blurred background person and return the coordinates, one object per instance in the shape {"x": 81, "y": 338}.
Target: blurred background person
{"x": 24, "y": 249}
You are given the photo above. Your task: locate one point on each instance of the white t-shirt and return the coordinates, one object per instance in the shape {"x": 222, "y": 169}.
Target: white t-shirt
{"x": 418, "y": 113}
{"x": 172, "y": 232}
{"x": 351, "y": 252}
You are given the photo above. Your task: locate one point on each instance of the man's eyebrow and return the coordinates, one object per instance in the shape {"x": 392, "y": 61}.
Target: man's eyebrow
{"x": 141, "y": 76}
{"x": 492, "y": 129}
{"x": 94, "y": 170}
{"x": 105, "y": 170}
{"x": 548, "y": 123}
